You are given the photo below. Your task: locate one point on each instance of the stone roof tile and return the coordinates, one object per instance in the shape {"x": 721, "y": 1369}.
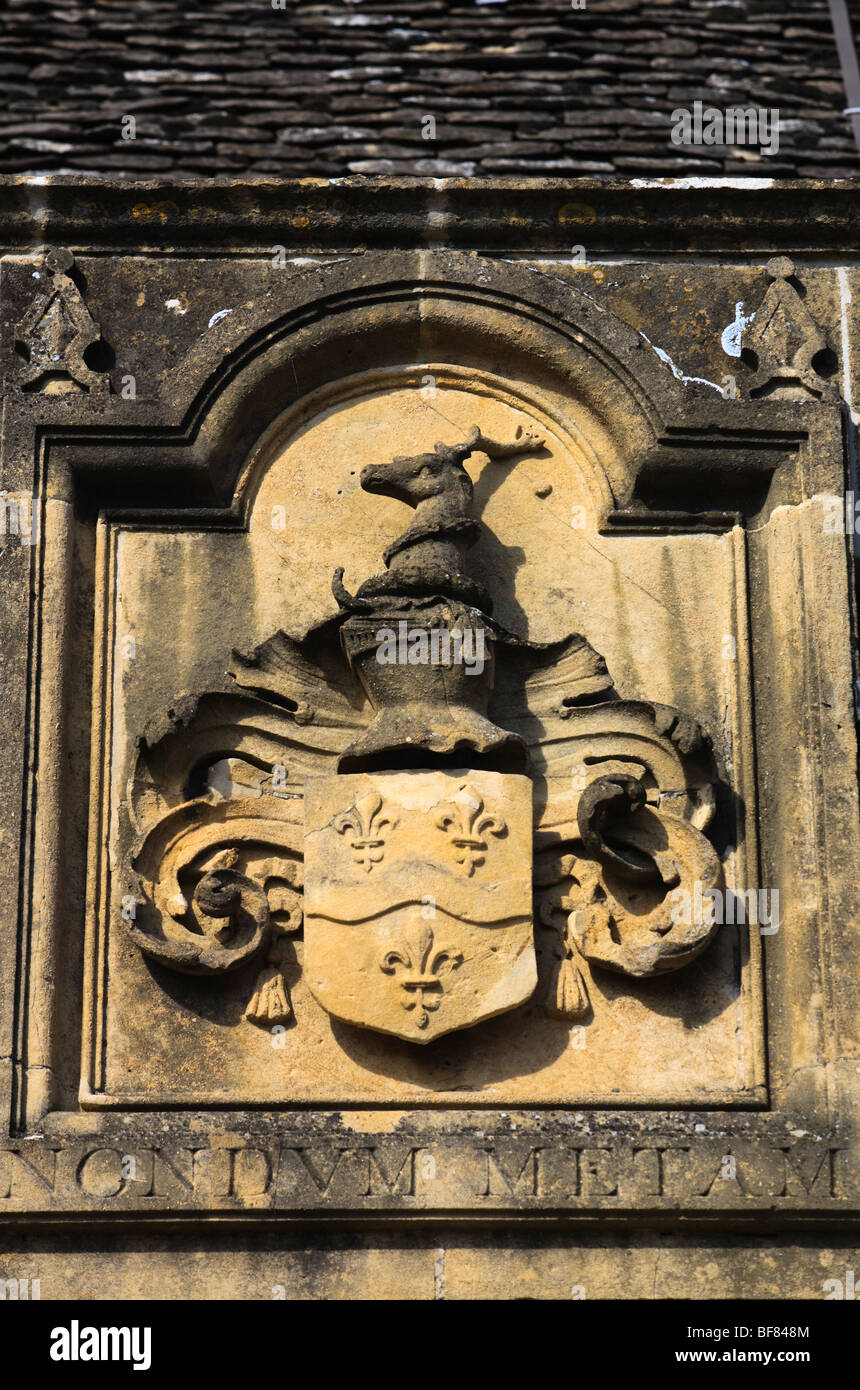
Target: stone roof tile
{"x": 520, "y": 86}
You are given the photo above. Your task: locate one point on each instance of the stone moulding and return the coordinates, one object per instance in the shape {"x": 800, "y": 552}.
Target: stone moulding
{"x": 664, "y": 215}
{"x": 658, "y": 458}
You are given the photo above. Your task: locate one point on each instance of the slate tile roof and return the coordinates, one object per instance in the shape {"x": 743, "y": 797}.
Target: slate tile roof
{"x": 417, "y": 87}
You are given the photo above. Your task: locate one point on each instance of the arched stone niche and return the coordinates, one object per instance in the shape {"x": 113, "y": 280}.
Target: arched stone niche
{"x": 266, "y": 431}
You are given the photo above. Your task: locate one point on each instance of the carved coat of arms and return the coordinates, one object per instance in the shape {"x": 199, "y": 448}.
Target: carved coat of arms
{"x": 418, "y": 898}
{"x": 427, "y": 796}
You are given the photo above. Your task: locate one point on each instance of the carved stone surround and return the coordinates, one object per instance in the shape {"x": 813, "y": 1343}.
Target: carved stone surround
{"x": 667, "y": 704}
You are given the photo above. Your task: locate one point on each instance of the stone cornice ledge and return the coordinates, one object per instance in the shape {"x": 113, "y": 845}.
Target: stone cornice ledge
{"x": 747, "y": 217}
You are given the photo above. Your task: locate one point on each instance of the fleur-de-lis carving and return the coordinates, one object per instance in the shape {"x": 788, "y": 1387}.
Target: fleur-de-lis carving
{"x": 418, "y": 970}
{"x": 462, "y": 818}
{"x": 366, "y": 820}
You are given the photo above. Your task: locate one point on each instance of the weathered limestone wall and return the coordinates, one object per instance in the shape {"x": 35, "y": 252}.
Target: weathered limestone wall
{"x": 528, "y": 970}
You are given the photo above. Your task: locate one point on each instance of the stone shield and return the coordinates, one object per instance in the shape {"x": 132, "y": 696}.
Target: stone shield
{"x": 418, "y": 890}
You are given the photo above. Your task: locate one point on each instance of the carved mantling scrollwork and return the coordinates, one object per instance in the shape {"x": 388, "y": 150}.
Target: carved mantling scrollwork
{"x": 612, "y": 856}
{"x": 216, "y": 884}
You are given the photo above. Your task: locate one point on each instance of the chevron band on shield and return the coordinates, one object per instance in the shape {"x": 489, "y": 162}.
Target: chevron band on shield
{"x": 418, "y": 897}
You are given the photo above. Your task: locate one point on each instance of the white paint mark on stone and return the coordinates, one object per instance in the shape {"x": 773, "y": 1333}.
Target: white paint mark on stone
{"x": 221, "y": 314}
{"x": 175, "y": 306}
{"x": 733, "y": 332}
{"x": 700, "y": 181}
{"x": 676, "y": 371}
{"x": 844, "y": 301}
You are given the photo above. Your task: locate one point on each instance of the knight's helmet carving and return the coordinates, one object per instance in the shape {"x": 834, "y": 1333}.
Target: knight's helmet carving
{"x": 432, "y": 706}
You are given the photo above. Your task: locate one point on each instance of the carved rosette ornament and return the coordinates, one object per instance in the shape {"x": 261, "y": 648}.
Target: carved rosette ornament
{"x": 58, "y": 332}
{"x": 406, "y": 783}
{"x": 785, "y": 345}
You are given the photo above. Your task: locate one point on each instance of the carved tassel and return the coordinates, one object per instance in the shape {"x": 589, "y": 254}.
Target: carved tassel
{"x": 270, "y": 1002}
{"x": 569, "y": 1000}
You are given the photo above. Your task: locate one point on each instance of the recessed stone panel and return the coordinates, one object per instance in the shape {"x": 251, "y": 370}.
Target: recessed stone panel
{"x": 222, "y": 745}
